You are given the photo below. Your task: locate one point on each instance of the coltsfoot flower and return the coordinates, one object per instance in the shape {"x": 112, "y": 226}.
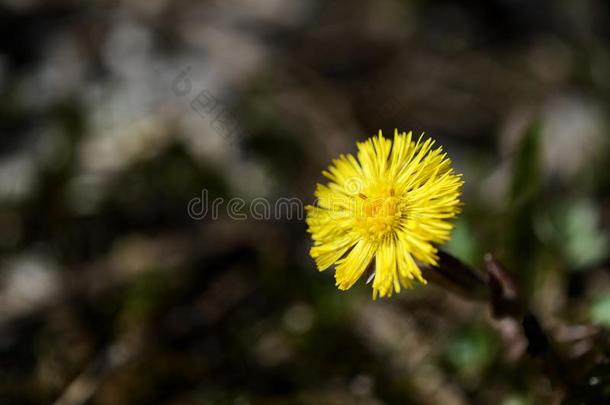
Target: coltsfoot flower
{"x": 392, "y": 203}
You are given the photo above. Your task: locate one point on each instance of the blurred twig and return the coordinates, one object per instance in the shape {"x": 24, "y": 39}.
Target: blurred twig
{"x": 86, "y": 384}
{"x": 506, "y": 301}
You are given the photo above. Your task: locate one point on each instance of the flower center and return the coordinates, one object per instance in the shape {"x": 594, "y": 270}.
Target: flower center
{"x": 378, "y": 212}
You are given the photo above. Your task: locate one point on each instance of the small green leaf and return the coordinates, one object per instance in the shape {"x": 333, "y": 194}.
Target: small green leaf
{"x": 463, "y": 244}
{"x": 526, "y": 165}
{"x": 470, "y": 350}
{"x": 600, "y": 311}
{"x": 585, "y": 243}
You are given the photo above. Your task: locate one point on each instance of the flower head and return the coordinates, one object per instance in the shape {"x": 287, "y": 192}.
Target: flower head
{"x": 392, "y": 204}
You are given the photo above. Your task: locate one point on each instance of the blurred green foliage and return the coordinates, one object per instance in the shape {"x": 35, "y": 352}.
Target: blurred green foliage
{"x": 600, "y": 310}
{"x": 577, "y": 233}
{"x": 524, "y": 203}
{"x": 464, "y": 245}
{"x": 470, "y": 349}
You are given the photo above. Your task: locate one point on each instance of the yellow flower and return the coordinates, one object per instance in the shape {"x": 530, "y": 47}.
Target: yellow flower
{"x": 391, "y": 204}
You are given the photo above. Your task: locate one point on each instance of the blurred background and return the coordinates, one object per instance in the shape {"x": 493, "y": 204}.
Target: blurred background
{"x": 114, "y": 115}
